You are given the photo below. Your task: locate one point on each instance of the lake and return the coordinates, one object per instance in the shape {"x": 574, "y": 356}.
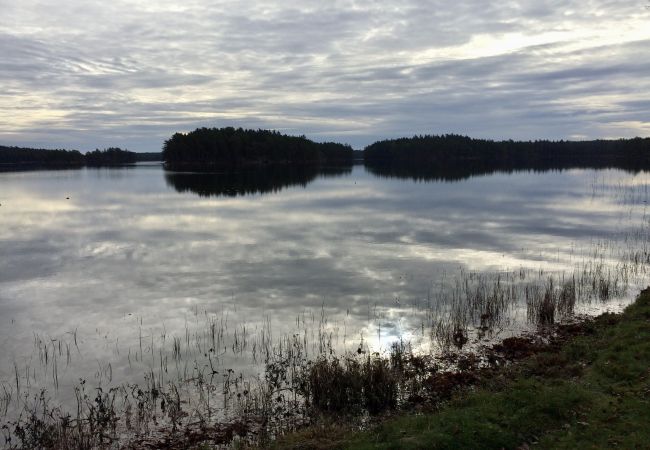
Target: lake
{"x": 135, "y": 275}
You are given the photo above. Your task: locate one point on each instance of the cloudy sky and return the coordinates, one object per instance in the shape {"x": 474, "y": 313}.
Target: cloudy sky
{"x": 86, "y": 74}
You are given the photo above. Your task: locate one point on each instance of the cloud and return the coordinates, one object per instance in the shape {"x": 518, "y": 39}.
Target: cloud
{"x": 131, "y": 73}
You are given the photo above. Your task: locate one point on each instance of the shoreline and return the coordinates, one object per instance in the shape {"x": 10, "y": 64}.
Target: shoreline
{"x": 451, "y": 388}
{"x": 589, "y": 386}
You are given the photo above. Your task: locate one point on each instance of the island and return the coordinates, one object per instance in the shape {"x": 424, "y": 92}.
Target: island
{"x": 452, "y": 157}
{"x": 219, "y": 148}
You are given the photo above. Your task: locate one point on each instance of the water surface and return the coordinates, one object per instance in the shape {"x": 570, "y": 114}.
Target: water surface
{"x": 117, "y": 265}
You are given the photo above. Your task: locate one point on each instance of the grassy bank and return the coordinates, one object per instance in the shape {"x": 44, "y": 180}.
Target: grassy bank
{"x": 592, "y": 391}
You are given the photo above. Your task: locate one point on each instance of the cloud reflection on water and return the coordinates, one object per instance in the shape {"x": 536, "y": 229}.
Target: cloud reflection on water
{"x": 127, "y": 246}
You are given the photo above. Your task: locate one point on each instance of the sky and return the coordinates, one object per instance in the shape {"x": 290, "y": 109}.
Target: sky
{"x": 129, "y": 73}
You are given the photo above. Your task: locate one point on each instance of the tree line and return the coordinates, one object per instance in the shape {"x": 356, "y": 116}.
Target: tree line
{"x": 421, "y": 156}
{"x": 38, "y": 157}
{"x": 453, "y": 157}
{"x": 112, "y": 156}
{"x": 232, "y": 147}
{"x": 451, "y": 150}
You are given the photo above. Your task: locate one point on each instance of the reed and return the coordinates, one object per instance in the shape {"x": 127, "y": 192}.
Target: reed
{"x": 316, "y": 368}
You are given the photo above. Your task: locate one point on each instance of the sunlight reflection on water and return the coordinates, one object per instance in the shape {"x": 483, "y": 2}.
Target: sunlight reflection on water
{"x": 114, "y": 264}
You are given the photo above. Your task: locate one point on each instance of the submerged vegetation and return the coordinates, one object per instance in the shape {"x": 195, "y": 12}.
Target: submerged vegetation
{"x": 191, "y": 396}
{"x": 217, "y": 383}
{"x": 206, "y": 148}
{"x": 575, "y": 379}
{"x": 587, "y": 386}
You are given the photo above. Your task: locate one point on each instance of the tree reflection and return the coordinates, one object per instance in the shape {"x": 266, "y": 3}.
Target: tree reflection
{"x": 265, "y": 180}
{"x": 451, "y": 172}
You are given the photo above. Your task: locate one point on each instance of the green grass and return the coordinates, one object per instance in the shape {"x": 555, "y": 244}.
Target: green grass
{"x": 592, "y": 392}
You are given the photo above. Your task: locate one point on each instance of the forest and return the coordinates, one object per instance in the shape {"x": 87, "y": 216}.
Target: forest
{"x": 19, "y": 157}
{"x": 447, "y": 156}
{"x": 229, "y": 147}
{"x": 451, "y": 149}
{"x": 112, "y": 156}
{"x": 148, "y": 156}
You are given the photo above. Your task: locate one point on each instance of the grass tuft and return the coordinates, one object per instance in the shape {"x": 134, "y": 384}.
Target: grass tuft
{"x": 591, "y": 392}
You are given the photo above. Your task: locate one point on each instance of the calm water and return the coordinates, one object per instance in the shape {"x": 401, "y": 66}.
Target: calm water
{"x": 110, "y": 265}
